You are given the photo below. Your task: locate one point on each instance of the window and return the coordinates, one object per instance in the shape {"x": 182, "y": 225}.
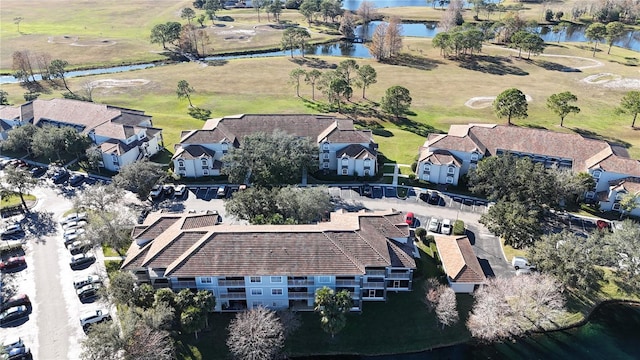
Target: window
{"x": 225, "y": 147}
{"x": 372, "y": 293}
{"x": 345, "y": 161}
{"x": 255, "y": 279}
{"x": 276, "y": 279}
{"x": 474, "y": 156}
{"x": 616, "y": 206}
{"x": 276, "y": 291}
{"x": 206, "y": 280}
{"x": 257, "y": 304}
{"x": 367, "y": 163}
{"x": 345, "y": 171}
{"x": 325, "y": 146}
{"x": 396, "y": 283}
{"x": 367, "y": 172}
{"x": 324, "y": 279}
{"x": 425, "y": 177}
{"x": 325, "y": 155}
{"x": 427, "y": 167}
{"x": 325, "y": 165}
{"x": 142, "y": 136}
{"x": 449, "y": 180}
{"x": 590, "y": 194}
{"x": 256, "y": 292}
{"x": 205, "y": 172}
{"x": 596, "y": 174}
{"x": 204, "y": 162}
{"x": 451, "y": 170}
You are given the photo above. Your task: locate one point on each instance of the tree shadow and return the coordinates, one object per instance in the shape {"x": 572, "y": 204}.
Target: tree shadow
{"x": 415, "y": 127}
{"x": 534, "y": 126}
{"x": 312, "y": 62}
{"x": 40, "y": 224}
{"x": 592, "y": 135}
{"x": 220, "y": 62}
{"x": 494, "y": 65}
{"x": 414, "y": 62}
{"x": 552, "y": 66}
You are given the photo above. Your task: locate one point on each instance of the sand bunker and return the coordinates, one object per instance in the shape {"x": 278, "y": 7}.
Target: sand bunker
{"x": 612, "y": 81}
{"x": 113, "y": 83}
{"x": 75, "y": 41}
{"x": 481, "y": 102}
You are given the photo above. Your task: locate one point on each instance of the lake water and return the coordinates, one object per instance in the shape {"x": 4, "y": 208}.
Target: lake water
{"x": 630, "y": 39}
{"x": 613, "y": 332}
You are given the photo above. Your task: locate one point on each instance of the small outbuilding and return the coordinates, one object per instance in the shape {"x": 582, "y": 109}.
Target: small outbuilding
{"x": 460, "y": 263}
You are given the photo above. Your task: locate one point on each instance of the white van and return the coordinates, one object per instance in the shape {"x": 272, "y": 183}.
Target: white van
{"x": 222, "y": 191}
{"x": 519, "y": 262}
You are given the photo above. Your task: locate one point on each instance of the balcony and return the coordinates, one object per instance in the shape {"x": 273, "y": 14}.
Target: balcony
{"x": 306, "y": 282}
{"x": 300, "y": 295}
{"x": 373, "y": 285}
{"x": 376, "y": 273}
{"x": 183, "y": 285}
{"x": 230, "y": 282}
{"x": 234, "y": 296}
{"x": 347, "y": 283}
{"x": 404, "y": 276}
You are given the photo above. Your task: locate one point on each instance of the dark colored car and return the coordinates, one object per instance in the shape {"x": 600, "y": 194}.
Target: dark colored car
{"x": 13, "y": 314}
{"x": 17, "y": 300}
{"x": 424, "y": 196}
{"x": 88, "y": 292}
{"x": 60, "y": 177}
{"x": 168, "y": 190}
{"x": 76, "y": 179}
{"x": 366, "y": 190}
{"x": 434, "y": 198}
{"x": 13, "y": 263}
{"x": 143, "y": 215}
{"x": 80, "y": 260}
{"x": 79, "y": 246}
{"x": 18, "y": 353}
{"x": 38, "y": 171}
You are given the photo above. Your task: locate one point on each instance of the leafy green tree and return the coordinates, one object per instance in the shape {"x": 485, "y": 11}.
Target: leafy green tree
{"x": 57, "y": 69}
{"x": 514, "y": 222}
{"x": 31, "y": 95}
{"x": 366, "y": 76}
{"x": 294, "y": 77}
{"x": 252, "y": 203}
{"x": 396, "y": 101}
{"x": 205, "y": 301}
{"x": 193, "y": 320}
{"x": 511, "y": 103}
{"x": 295, "y": 37}
{"x": 164, "y": 295}
{"x": 4, "y": 97}
{"x": 161, "y": 316}
{"x": 144, "y": 296}
{"x": 334, "y": 88}
{"x": 20, "y": 180}
{"x": 347, "y": 69}
{"x": 167, "y": 33}
{"x": 139, "y": 177}
{"x": 560, "y": 104}
{"x": 311, "y": 78}
{"x": 332, "y": 308}
{"x": 122, "y": 287}
{"x": 625, "y": 254}
{"x": 184, "y": 90}
{"x": 628, "y": 203}
{"x": 20, "y": 139}
{"x": 270, "y": 159}
{"x": 532, "y": 43}
{"x": 213, "y": 6}
{"x": 256, "y": 334}
{"x": 275, "y": 8}
{"x": 184, "y": 299}
{"x": 442, "y": 41}
{"x": 630, "y": 104}
{"x": 615, "y": 29}
{"x": 309, "y": 9}
{"x": 188, "y": 14}
{"x": 596, "y": 32}
{"x": 570, "y": 259}
{"x": 112, "y": 228}
{"x": 348, "y": 25}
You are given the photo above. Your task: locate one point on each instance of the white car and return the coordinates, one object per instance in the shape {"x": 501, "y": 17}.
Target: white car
{"x": 94, "y": 318}
{"x": 74, "y": 224}
{"x": 84, "y": 281}
{"x": 519, "y": 262}
{"x": 156, "y": 191}
{"x": 445, "y": 228}
{"x": 73, "y": 231}
{"x": 74, "y": 217}
{"x": 11, "y": 229}
{"x": 180, "y": 190}
{"x": 434, "y": 224}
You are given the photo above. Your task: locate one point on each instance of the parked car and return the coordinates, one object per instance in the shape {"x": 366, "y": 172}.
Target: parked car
{"x": 434, "y": 224}
{"x": 222, "y": 191}
{"x": 168, "y": 190}
{"x": 519, "y": 262}
{"x": 12, "y": 343}
{"x": 79, "y": 246}
{"x": 13, "y": 263}
{"x": 12, "y": 229}
{"x": 38, "y": 171}
{"x": 366, "y": 191}
{"x": 156, "y": 191}
{"x": 16, "y": 300}
{"x": 13, "y": 314}
{"x": 87, "y": 280}
{"x": 409, "y": 218}
{"x": 74, "y": 217}
{"x": 445, "y": 228}
{"x": 10, "y": 245}
{"x": 94, "y": 318}
{"x": 70, "y": 239}
{"x": 60, "y": 177}
{"x": 180, "y": 190}
{"x": 88, "y": 292}
{"x": 74, "y": 224}
{"x": 434, "y": 198}
{"x": 17, "y": 353}
{"x": 76, "y": 179}
{"x": 80, "y": 260}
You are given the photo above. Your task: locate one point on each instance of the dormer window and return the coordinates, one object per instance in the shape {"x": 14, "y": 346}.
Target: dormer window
{"x": 325, "y": 156}
{"x": 427, "y": 167}
{"x": 204, "y": 162}
{"x": 325, "y": 146}
{"x": 451, "y": 170}
{"x": 367, "y": 162}
{"x": 180, "y": 162}
{"x": 225, "y": 147}
{"x": 474, "y": 156}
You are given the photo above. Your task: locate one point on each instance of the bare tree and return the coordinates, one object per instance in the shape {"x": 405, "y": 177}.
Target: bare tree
{"x": 377, "y": 49}
{"x": 367, "y": 11}
{"x": 446, "y": 309}
{"x": 22, "y": 65}
{"x": 256, "y": 334}
{"x": 510, "y": 307}
{"x": 17, "y": 20}
{"x": 44, "y": 63}
{"x": 431, "y": 294}
{"x": 452, "y": 17}
{"x": 393, "y": 37}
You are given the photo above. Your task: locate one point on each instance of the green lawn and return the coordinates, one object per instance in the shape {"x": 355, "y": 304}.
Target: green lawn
{"x": 14, "y": 200}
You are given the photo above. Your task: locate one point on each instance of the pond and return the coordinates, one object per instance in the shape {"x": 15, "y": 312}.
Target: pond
{"x": 353, "y": 5}
{"x": 629, "y": 40}
{"x": 613, "y": 332}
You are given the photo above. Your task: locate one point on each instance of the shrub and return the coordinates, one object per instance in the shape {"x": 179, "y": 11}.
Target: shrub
{"x": 414, "y": 166}
{"x": 421, "y": 233}
{"x": 458, "y": 227}
{"x": 429, "y": 239}
{"x": 199, "y": 113}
